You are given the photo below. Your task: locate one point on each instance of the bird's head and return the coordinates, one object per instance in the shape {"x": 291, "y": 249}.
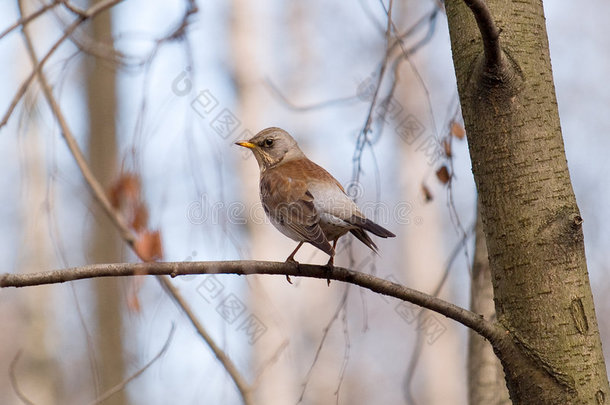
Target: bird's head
{"x": 272, "y": 146}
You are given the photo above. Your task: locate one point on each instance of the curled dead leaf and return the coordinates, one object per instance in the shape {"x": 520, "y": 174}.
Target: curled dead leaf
{"x": 447, "y": 146}
{"x": 125, "y": 190}
{"x": 443, "y": 174}
{"x": 139, "y": 218}
{"x": 148, "y": 247}
{"x": 458, "y": 130}
{"x": 427, "y": 193}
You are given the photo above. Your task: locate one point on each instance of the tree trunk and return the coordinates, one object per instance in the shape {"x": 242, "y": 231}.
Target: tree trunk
{"x": 531, "y": 221}
{"x": 486, "y": 385}
{"x": 41, "y": 380}
{"x": 423, "y": 268}
{"x": 105, "y": 245}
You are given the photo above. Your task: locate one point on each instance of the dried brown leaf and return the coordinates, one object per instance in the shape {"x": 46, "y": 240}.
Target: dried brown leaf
{"x": 458, "y": 130}
{"x": 427, "y": 193}
{"x": 125, "y": 190}
{"x": 447, "y": 146}
{"x": 148, "y": 246}
{"x": 443, "y": 174}
{"x": 133, "y": 302}
{"x": 139, "y": 219}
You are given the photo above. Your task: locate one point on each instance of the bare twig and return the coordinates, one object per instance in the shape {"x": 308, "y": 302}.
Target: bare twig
{"x": 489, "y": 33}
{"x": 128, "y": 236}
{"x": 238, "y": 379}
{"x": 72, "y": 8}
{"x": 90, "y": 13}
{"x": 121, "y": 386}
{"x": 429, "y": 21}
{"x": 418, "y": 346}
{"x": 272, "y": 360}
{"x": 406, "y": 52}
{"x": 325, "y": 332}
{"x": 485, "y": 328}
{"x": 26, "y": 20}
{"x": 363, "y": 138}
{"x": 96, "y": 188}
{"x": 404, "y": 57}
{"x": 307, "y": 107}
{"x": 13, "y": 377}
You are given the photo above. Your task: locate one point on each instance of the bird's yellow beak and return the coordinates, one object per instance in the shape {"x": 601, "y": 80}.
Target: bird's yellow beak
{"x": 246, "y": 144}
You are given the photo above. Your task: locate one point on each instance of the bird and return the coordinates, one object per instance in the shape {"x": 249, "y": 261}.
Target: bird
{"x": 304, "y": 201}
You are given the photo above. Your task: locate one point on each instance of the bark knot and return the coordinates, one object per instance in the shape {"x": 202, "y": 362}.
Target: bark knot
{"x": 600, "y": 397}
{"x": 576, "y": 221}
{"x": 579, "y": 317}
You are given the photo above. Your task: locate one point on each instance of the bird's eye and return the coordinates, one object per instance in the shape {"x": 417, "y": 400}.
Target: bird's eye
{"x": 268, "y": 142}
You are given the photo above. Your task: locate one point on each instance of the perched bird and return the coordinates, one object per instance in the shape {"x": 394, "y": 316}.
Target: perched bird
{"x": 302, "y": 200}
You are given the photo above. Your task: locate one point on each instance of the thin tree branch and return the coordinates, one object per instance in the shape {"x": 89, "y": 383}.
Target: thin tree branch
{"x": 487, "y": 329}
{"x": 306, "y": 107}
{"x": 363, "y": 137}
{"x": 90, "y": 13}
{"x": 325, "y": 332}
{"x": 429, "y": 20}
{"x": 240, "y": 382}
{"x": 489, "y": 33}
{"x": 271, "y": 361}
{"x": 72, "y": 8}
{"x": 13, "y": 377}
{"x": 121, "y": 386}
{"x": 128, "y": 236}
{"x": 26, "y": 20}
{"x": 96, "y": 187}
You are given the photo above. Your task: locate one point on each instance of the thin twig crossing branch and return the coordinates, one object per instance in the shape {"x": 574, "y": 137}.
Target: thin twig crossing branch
{"x": 12, "y": 373}
{"x": 121, "y": 386}
{"x": 38, "y": 64}
{"x": 25, "y": 20}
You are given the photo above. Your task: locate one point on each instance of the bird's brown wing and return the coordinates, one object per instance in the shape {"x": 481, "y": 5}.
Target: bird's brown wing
{"x": 306, "y": 170}
{"x": 287, "y": 200}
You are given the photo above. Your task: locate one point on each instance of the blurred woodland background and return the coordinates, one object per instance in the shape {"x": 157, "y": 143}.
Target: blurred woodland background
{"x": 156, "y": 93}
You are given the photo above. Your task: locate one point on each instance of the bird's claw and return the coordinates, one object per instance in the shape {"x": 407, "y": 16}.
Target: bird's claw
{"x": 295, "y": 263}
{"x": 329, "y": 269}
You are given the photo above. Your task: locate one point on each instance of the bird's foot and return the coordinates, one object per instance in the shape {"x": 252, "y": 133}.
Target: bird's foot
{"x": 293, "y": 262}
{"x": 329, "y": 269}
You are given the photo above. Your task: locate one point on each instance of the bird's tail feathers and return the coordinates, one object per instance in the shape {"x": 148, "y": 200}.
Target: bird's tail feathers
{"x": 364, "y": 238}
{"x": 370, "y": 226}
